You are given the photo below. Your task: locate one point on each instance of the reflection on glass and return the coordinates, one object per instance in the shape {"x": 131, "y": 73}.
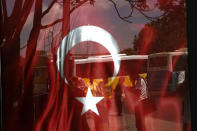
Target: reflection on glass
{"x": 37, "y": 98}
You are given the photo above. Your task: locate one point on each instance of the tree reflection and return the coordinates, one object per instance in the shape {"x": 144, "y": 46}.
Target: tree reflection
{"x": 140, "y": 6}
{"x": 17, "y": 72}
{"x": 18, "y": 98}
{"x": 170, "y": 30}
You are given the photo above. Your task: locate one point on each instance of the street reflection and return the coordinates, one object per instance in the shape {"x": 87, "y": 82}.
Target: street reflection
{"x": 151, "y": 52}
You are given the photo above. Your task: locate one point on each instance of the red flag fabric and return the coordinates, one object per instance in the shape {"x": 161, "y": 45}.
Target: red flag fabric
{"x": 94, "y": 65}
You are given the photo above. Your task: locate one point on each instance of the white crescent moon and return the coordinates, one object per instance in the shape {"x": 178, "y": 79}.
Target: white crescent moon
{"x": 87, "y": 33}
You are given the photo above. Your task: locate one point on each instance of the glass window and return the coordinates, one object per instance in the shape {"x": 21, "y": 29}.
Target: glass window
{"x": 179, "y": 62}
{"x": 40, "y": 39}
{"x": 160, "y": 61}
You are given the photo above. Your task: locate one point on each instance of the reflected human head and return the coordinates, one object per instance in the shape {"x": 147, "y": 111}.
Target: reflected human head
{"x": 77, "y": 83}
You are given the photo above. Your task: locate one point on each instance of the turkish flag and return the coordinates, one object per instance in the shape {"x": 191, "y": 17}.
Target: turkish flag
{"x": 89, "y": 80}
{"x": 84, "y": 89}
{"x": 64, "y": 67}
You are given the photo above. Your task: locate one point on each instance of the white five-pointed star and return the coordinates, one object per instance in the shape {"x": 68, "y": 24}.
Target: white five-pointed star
{"x": 89, "y": 102}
